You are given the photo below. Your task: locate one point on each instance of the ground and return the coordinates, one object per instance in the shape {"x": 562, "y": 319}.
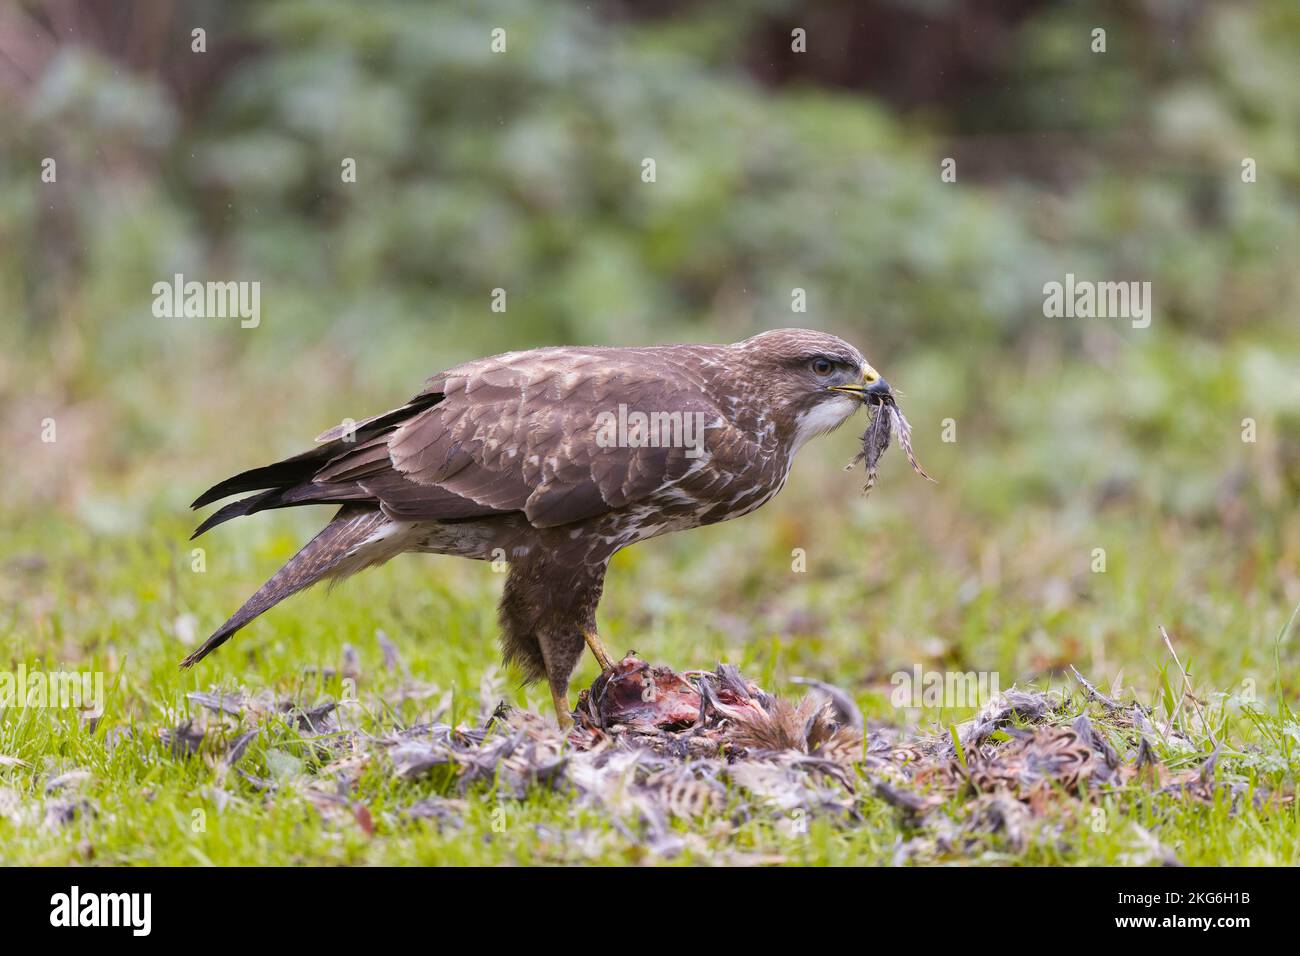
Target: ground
{"x": 1039, "y": 549}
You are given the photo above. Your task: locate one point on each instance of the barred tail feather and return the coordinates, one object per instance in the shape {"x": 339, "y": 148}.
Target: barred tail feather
{"x": 321, "y": 555}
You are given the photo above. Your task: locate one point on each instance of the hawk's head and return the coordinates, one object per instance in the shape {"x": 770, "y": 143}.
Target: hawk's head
{"x": 808, "y": 382}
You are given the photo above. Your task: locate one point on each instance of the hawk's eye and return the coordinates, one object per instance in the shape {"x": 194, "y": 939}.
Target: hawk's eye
{"x": 823, "y": 366}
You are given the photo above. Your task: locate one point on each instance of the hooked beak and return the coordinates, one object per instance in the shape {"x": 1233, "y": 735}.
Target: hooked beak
{"x": 873, "y": 387}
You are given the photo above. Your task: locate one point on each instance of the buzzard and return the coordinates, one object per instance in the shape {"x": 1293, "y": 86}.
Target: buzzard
{"x": 552, "y": 460}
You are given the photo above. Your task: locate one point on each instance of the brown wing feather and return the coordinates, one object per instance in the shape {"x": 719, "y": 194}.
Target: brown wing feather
{"x": 519, "y": 432}
{"x": 511, "y": 433}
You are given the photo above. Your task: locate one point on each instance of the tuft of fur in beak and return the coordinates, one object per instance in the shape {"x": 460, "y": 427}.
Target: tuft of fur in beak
{"x": 886, "y": 418}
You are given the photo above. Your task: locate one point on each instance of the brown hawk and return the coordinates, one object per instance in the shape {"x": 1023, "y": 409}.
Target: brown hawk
{"x": 552, "y": 460}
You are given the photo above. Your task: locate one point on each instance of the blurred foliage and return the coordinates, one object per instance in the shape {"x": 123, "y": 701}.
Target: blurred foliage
{"x": 522, "y": 170}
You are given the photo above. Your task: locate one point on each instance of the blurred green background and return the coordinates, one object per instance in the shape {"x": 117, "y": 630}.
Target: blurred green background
{"x": 775, "y": 170}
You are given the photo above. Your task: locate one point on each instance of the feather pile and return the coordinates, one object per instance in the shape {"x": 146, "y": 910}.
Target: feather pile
{"x": 710, "y": 749}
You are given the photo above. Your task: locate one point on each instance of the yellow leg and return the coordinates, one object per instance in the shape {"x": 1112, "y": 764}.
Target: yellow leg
{"x": 599, "y": 649}
{"x": 563, "y": 712}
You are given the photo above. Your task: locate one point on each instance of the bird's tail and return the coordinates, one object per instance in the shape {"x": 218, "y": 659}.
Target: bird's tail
{"x": 319, "y": 557}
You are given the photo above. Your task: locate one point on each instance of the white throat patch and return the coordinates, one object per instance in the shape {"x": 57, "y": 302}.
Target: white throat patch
{"x": 826, "y": 417}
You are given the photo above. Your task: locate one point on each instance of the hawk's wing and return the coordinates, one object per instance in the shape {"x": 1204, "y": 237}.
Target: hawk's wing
{"x": 514, "y": 433}
{"x": 524, "y": 433}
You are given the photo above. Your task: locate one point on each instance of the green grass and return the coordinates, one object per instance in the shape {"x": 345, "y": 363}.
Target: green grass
{"x": 991, "y": 569}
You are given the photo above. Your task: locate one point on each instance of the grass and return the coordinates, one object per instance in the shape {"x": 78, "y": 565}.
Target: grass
{"x": 994, "y": 569}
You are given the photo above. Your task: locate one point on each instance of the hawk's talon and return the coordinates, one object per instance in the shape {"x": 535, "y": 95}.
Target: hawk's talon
{"x": 599, "y": 649}
{"x": 563, "y": 712}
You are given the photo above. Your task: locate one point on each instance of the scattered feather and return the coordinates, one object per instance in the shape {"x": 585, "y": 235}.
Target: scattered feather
{"x": 651, "y": 746}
